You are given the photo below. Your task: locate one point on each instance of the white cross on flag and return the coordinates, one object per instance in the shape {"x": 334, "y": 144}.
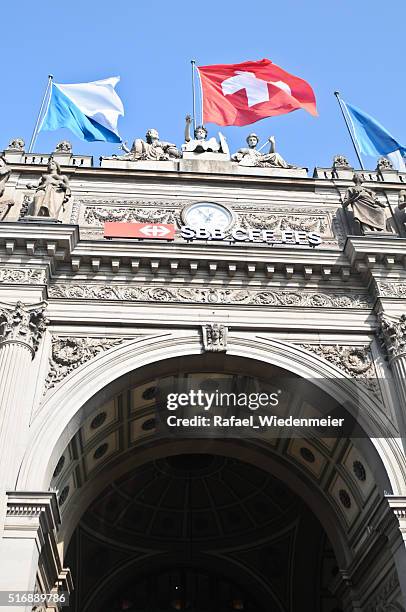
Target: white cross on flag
{"x": 239, "y": 94}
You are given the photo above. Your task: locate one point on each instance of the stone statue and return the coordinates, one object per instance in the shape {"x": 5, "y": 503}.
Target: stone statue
{"x": 402, "y": 199}
{"x": 340, "y": 161}
{"x": 4, "y": 175}
{"x": 366, "y": 207}
{"x": 251, "y": 156}
{"x": 200, "y": 143}
{"x": 63, "y": 147}
{"x": 384, "y": 164}
{"x": 17, "y": 144}
{"x": 51, "y": 193}
{"x": 151, "y": 149}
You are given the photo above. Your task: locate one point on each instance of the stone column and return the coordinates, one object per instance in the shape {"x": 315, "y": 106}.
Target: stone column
{"x": 29, "y": 554}
{"x": 393, "y": 335}
{"x": 398, "y": 506}
{"x": 21, "y": 329}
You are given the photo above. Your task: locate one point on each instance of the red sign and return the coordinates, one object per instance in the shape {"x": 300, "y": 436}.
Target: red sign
{"x": 156, "y": 231}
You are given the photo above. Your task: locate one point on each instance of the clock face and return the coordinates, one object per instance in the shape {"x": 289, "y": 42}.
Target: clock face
{"x": 208, "y": 215}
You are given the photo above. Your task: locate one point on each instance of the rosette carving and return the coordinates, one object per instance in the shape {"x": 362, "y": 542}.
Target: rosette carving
{"x": 70, "y": 353}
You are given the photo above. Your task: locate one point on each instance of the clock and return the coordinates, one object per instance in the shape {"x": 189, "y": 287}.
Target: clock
{"x": 208, "y": 215}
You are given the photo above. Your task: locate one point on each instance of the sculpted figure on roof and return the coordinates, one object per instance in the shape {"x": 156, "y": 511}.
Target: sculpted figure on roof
{"x": 152, "y": 148}
{"x": 366, "y": 206}
{"x": 200, "y": 143}
{"x": 51, "y": 193}
{"x": 251, "y": 156}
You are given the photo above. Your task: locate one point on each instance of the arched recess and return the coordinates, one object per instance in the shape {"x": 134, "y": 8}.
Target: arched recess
{"x": 67, "y": 405}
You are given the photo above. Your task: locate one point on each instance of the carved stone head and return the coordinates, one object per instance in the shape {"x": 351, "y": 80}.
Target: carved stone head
{"x": 357, "y": 178}
{"x": 53, "y": 166}
{"x": 200, "y": 132}
{"x": 151, "y": 135}
{"x": 252, "y": 140}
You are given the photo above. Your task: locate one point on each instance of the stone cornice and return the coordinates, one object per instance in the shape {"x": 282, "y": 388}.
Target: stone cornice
{"x": 33, "y": 509}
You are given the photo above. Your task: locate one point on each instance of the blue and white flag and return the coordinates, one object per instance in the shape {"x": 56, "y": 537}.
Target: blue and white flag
{"x": 373, "y": 139}
{"x": 89, "y": 110}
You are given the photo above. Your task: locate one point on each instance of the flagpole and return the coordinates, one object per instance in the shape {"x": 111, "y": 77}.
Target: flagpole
{"x": 201, "y": 95}
{"x": 193, "y": 62}
{"x": 39, "y": 117}
{"x": 337, "y": 95}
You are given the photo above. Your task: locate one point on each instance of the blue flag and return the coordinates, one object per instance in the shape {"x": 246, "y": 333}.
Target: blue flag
{"x": 89, "y": 110}
{"x": 372, "y": 138}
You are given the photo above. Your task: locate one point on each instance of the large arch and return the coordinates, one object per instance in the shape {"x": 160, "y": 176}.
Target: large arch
{"x": 53, "y": 427}
{"x": 72, "y": 401}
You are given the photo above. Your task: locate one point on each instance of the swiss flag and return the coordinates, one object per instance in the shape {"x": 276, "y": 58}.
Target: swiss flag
{"x": 238, "y": 94}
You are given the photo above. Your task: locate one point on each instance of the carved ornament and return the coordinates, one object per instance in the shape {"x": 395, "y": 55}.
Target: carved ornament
{"x": 26, "y": 276}
{"x": 203, "y": 295}
{"x": 98, "y": 215}
{"x": 393, "y": 335}
{"x": 215, "y": 337}
{"x": 23, "y": 324}
{"x": 70, "y": 353}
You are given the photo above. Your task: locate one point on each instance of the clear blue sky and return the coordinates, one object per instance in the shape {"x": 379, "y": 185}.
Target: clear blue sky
{"x": 356, "y": 46}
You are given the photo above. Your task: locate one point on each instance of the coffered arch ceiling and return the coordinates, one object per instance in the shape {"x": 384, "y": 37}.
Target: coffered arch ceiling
{"x": 334, "y": 477}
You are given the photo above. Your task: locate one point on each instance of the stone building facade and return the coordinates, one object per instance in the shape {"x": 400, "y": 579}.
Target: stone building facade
{"x": 89, "y": 323}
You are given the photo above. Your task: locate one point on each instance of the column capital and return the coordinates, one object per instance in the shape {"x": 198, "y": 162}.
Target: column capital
{"x": 23, "y": 324}
{"x": 398, "y": 505}
{"x": 37, "y": 509}
{"x": 393, "y": 334}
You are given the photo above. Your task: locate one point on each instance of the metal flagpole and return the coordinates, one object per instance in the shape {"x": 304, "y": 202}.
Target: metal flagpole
{"x": 37, "y": 123}
{"x": 358, "y": 154}
{"x": 193, "y": 62}
{"x": 201, "y": 95}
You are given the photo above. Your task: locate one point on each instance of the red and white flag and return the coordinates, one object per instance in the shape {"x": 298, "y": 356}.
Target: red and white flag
{"x": 239, "y": 94}
{"x": 157, "y": 231}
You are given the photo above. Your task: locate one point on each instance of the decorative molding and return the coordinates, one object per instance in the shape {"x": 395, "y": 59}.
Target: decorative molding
{"x": 307, "y": 222}
{"x": 23, "y": 324}
{"x": 96, "y": 215}
{"x": 390, "y": 289}
{"x": 215, "y": 337}
{"x": 118, "y": 206}
{"x": 354, "y": 361}
{"x": 33, "y": 505}
{"x": 203, "y": 295}
{"x": 68, "y": 353}
{"x": 23, "y": 276}
{"x": 392, "y": 334}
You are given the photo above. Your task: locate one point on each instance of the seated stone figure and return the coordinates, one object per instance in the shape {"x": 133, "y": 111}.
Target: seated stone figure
{"x": 200, "y": 143}
{"x": 151, "y": 149}
{"x": 251, "y": 156}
